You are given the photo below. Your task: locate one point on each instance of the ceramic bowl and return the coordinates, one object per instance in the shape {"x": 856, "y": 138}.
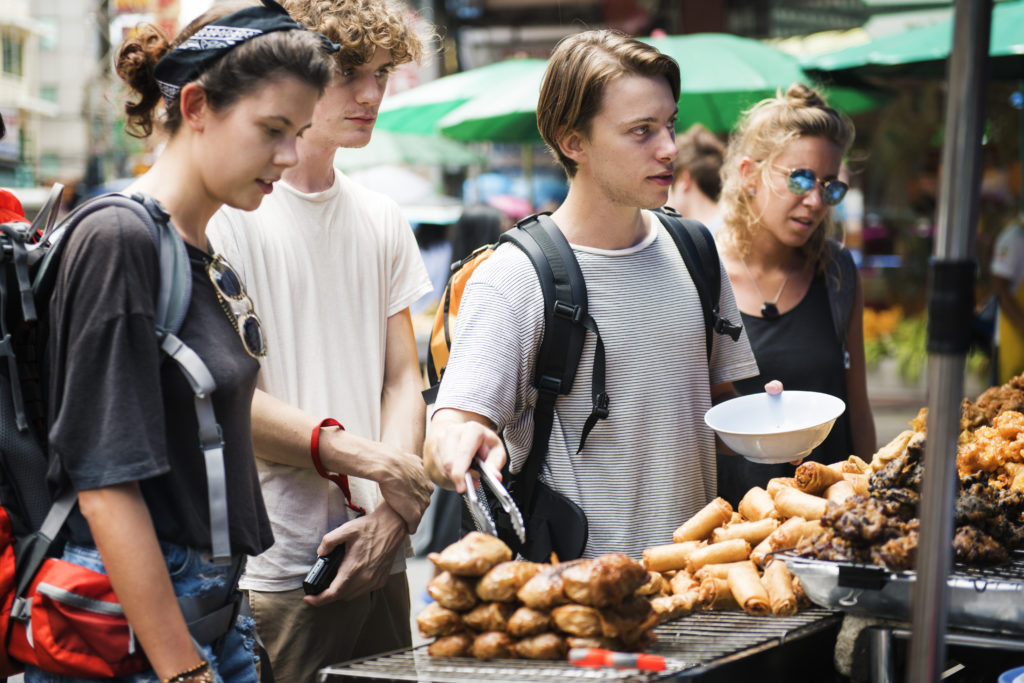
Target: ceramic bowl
{"x": 775, "y": 429}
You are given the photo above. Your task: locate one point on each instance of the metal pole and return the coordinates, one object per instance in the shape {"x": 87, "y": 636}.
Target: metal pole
{"x": 951, "y": 302}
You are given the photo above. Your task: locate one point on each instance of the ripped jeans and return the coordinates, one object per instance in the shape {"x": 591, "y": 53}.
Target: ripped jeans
{"x": 232, "y": 656}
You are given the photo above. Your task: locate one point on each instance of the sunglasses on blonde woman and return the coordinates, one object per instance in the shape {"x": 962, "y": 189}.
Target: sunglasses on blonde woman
{"x": 237, "y": 305}
{"x": 800, "y": 181}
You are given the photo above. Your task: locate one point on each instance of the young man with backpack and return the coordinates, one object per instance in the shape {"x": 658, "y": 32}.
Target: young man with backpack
{"x": 337, "y": 268}
{"x": 607, "y": 109}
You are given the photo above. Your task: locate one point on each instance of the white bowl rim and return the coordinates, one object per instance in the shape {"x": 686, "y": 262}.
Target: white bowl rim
{"x": 838, "y": 406}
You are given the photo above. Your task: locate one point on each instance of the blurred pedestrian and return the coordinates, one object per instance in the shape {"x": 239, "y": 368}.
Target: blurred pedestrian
{"x": 1008, "y": 283}
{"x": 697, "y": 179}
{"x": 779, "y": 186}
{"x": 238, "y": 87}
{"x": 11, "y": 210}
{"x": 336, "y": 268}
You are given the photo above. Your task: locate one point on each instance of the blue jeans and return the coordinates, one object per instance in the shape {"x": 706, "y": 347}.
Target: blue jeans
{"x": 234, "y": 660}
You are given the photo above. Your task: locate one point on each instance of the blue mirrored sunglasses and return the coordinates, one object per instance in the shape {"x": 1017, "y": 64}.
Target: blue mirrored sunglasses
{"x": 800, "y": 181}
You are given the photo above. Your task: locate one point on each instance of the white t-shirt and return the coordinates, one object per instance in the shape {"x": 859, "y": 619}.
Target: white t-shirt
{"x": 325, "y": 272}
{"x": 651, "y": 464}
{"x": 1008, "y": 256}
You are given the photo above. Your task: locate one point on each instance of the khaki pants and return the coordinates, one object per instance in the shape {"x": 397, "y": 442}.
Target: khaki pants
{"x": 301, "y": 639}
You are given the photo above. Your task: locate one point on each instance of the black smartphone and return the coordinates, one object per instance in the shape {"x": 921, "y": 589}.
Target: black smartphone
{"x": 323, "y": 571}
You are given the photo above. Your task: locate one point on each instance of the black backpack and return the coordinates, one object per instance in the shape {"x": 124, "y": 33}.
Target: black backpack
{"x": 554, "y": 523}
{"x": 29, "y": 261}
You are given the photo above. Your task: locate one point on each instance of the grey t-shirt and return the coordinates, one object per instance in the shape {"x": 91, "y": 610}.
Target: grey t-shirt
{"x": 120, "y": 412}
{"x": 651, "y": 464}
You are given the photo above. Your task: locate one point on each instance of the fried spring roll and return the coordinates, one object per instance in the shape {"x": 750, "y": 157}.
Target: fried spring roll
{"x": 792, "y": 502}
{"x": 757, "y": 504}
{"x": 715, "y": 594}
{"x": 788, "y": 537}
{"x": 855, "y": 465}
{"x": 751, "y": 532}
{"x": 839, "y": 491}
{"x": 891, "y": 450}
{"x": 776, "y": 484}
{"x": 699, "y": 527}
{"x": 669, "y": 557}
{"x": 717, "y": 553}
{"x": 683, "y": 582}
{"x": 779, "y": 583}
{"x": 746, "y": 588}
{"x": 859, "y": 483}
{"x": 758, "y": 554}
{"x": 718, "y": 571}
{"x": 670, "y": 607}
{"x": 813, "y": 477}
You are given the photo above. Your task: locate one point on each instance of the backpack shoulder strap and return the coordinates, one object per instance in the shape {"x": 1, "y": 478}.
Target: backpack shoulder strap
{"x": 567, "y": 321}
{"x": 175, "y": 272}
{"x": 173, "y": 297}
{"x": 697, "y": 247}
{"x": 841, "y": 281}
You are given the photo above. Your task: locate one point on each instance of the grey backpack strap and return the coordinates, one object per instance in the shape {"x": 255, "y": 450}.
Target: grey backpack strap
{"x": 175, "y": 270}
{"x": 841, "y": 281}
{"x": 211, "y": 440}
{"x": 172, "y": 305}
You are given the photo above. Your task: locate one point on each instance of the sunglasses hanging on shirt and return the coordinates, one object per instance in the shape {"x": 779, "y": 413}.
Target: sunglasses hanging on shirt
{"x": 238, "y": 305}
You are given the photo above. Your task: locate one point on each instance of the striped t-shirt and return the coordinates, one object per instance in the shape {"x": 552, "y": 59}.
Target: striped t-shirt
{"x": 651, "y": 464}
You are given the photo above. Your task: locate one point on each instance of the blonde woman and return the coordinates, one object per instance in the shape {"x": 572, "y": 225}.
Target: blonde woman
{"x": 780, "y": 183}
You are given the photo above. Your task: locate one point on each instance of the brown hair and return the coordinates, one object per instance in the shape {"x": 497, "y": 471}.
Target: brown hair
{"x": 360, "y": 27}
{"x": 240, "y": 72}
{"x": 580, "y": 69}
{"x": 761, "y": 135}
{"x": 700, "y": 154}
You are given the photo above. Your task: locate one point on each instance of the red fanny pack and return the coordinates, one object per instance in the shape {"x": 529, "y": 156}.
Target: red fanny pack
{"x": 69, "y": 621}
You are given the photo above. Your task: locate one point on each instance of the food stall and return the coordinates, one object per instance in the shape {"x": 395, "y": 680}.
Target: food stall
{"x": 928, "y": 607}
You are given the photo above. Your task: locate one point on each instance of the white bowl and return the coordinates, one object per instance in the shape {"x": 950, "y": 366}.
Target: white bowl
{"x": 775, "y": 429}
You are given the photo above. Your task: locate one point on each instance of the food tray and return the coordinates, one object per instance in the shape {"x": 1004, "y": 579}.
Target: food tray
{"x": 691, "y": 645}
{"x": 988, "y": 599}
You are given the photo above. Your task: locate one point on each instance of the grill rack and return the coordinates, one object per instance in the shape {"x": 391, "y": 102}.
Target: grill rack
{"x": 691, "y": 644}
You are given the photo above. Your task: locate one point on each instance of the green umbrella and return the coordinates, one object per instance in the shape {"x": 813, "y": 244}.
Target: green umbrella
{"x": 721, "y": 75}
{"x": 420, "y": 109}
{"x": 507, "y": 115}
{"x": 387, "y": 147}
{"x": 922, "y": 51}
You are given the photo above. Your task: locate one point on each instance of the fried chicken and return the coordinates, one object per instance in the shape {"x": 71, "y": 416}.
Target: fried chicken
{"x": 994, "y": 400}
{"x": 973, "y": 546}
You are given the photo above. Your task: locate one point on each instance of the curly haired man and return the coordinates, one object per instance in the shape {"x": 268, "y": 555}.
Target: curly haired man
{"x": 332, "y": 269}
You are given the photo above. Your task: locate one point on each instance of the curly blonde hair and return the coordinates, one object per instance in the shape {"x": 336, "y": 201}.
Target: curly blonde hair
{"x": 361, "y": 27}
{"x": 761, "y": 135}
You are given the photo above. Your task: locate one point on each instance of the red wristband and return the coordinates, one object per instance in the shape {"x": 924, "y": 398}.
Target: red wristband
{"x": 340, "y": 479}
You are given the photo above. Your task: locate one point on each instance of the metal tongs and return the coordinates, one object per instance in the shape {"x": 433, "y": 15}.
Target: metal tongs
{"x": 476, "y": 500}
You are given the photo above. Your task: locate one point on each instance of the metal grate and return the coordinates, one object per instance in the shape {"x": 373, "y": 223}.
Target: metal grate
{"x": 1012, "y": 571}
{"x": 699, "y": 641}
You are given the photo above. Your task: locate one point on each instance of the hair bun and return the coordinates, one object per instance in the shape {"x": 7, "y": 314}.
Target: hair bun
{"x": 135, "y": 63}
{"x": 799, "y": 94}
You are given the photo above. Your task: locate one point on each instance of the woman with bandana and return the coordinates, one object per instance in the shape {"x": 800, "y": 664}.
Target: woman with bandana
{"x": 779, "y": 186}
{"x": 235, "y": 90}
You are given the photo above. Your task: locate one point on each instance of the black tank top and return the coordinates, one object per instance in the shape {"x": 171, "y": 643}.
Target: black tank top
{"x": 800, "y": 349}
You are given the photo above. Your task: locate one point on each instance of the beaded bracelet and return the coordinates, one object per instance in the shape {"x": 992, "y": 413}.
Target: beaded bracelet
{"x": 200, "y": 673}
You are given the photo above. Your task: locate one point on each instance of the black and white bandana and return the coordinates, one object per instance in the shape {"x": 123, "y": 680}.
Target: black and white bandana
{"x": 186, "y": 62}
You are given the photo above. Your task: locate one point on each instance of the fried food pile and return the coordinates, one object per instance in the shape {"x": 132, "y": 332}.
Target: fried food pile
{"x": 881, "y": 527}
{"x": 719, "y": 558}
{"x": 490, "y": 607}
{"x": 991, "y": 403}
